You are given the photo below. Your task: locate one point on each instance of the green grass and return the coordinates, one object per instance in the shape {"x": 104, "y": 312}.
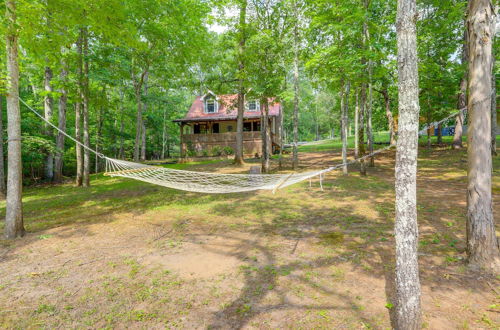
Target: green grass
{"x": 336, "y": 143}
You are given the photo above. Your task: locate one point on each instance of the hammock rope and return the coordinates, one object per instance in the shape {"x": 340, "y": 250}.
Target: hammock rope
{"x": 205, "y": 182}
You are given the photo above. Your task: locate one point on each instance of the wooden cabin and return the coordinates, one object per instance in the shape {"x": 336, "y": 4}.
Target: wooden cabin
{"x": 210, "y": 126}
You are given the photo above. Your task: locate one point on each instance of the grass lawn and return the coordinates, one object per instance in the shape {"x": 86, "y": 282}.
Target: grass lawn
{"x": 128, "y": 254}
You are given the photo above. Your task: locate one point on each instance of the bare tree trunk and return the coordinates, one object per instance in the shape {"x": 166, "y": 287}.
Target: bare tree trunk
{"x": 238, "y": 155}
{"x": 265, "y": 127}
{"x": 356, "y": 126}
{"x": 86, "y": 137}
{"x": 14, "y": 226}
{"x": 344, "y": 104}
{"x": 164, "y": 133}
{"x": 122, "y": 124}
{"x": 408, "y": 308}
{"x": 100, "y": 120}
{"x": 482, "y": 244}
{"x": 63, "y": 100}
{"x": 388, "y": 114}
{"x": 361, "y": 129}
{"x": 440, "y": 134}
{"x": 144, "y": 109}
{"x": 78, "y": 113}
{"x": 3, "y": 188}
{"x": 368, "y": 107}
{"x": 295, "y": 157}
{"x": 138, "y": 125}
{"x": 48, "y": 112}
{"x": 462, "y": 96}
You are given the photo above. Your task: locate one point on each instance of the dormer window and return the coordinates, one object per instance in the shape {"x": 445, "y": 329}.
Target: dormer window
{"x": 211, "y": 102}
{"x": 210, "y": 106}
{"x": 253, "y": 105}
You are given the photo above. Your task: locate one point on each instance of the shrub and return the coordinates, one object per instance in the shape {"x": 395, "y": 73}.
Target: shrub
{"x": 227, "y": 150}
{"x": 204, "y": 153}
{"x": 217, "y": 151}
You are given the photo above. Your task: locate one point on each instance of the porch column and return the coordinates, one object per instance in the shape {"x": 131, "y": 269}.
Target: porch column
{"x": 183, "y": 145}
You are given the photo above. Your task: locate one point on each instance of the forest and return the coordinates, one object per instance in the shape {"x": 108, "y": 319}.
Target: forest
{"x": 365, "y": 86}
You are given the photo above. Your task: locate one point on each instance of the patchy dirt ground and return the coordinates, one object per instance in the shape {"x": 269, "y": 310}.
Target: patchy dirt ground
{"x": 140, "y": 256}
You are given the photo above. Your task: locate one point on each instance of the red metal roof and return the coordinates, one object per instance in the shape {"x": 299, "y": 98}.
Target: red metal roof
{"x": 227, "y": 110}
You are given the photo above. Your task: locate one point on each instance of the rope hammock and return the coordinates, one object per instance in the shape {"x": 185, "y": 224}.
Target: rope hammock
{"x": 203, "y": 182}
{"x": 215, "y": 183}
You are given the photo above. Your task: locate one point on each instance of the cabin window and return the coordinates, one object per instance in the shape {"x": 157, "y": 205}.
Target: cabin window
{"x": 253, "y": 105}
{"x": 196, "y": 129}
{"x": 210, "y": 106}
{"x": 256, "y": 126}
{"x": 215, "y": 128}
{"x": 247, "y": 127}
{"x": 229, "y": 128}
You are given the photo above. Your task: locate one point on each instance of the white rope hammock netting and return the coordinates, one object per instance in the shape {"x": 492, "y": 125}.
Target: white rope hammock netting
{"x": 214, "y": 183}
{"x": 203, "y": 182}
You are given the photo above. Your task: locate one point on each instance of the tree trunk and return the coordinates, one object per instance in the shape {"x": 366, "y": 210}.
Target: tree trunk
{"x": 369, "y": 132}
{"x": 462, "y": 97}
{"x": 482, "y": 244}
{"x": 100, "y": 120}
{"x": 459, "y": 119}
{"x": 440, "y": 134}
{"x": 238, "y": 154}
{"x": 407, "y": 311}
{"x": 138, "y": 125}
{"x": 143, "y": 123}
{"x": 78, "y": 113}
{"x": 356, "y": 126}
{"x": 361, "y": 129}
{"x": 265, "y": 127}
{"x": 295, "y": 157}
{"x": 14, "y": 226}
{"x": 122, "y": 124}
{"x": 63, "y": 100}
{"x": 388, "y": 114}
{"x": 164, "y": 133}
{"x": 344, "y": 104}
{"x": 3, "y": 188}
{"x": 48, "y": 112}
{"x": 85, "y": 89}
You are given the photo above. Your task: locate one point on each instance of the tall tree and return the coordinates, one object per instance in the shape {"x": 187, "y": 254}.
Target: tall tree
{"x": 14, "y": 226}
{"x": 344, "y": 104}
{"x": 78, "y": 112}
{"x": 63, "y": 101}
{"x": 482, "y": 243}
{"x": 144, "y": 109}
{"x": 85, "y": 109}
{"x": 408, "y": 310}
{"x": 238, "y": 153}
{"x": 296, "y": 45}
{"x": 48, "y": 112}
{"x": 361, "y": 129}
{"x": 369, "y": 103}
